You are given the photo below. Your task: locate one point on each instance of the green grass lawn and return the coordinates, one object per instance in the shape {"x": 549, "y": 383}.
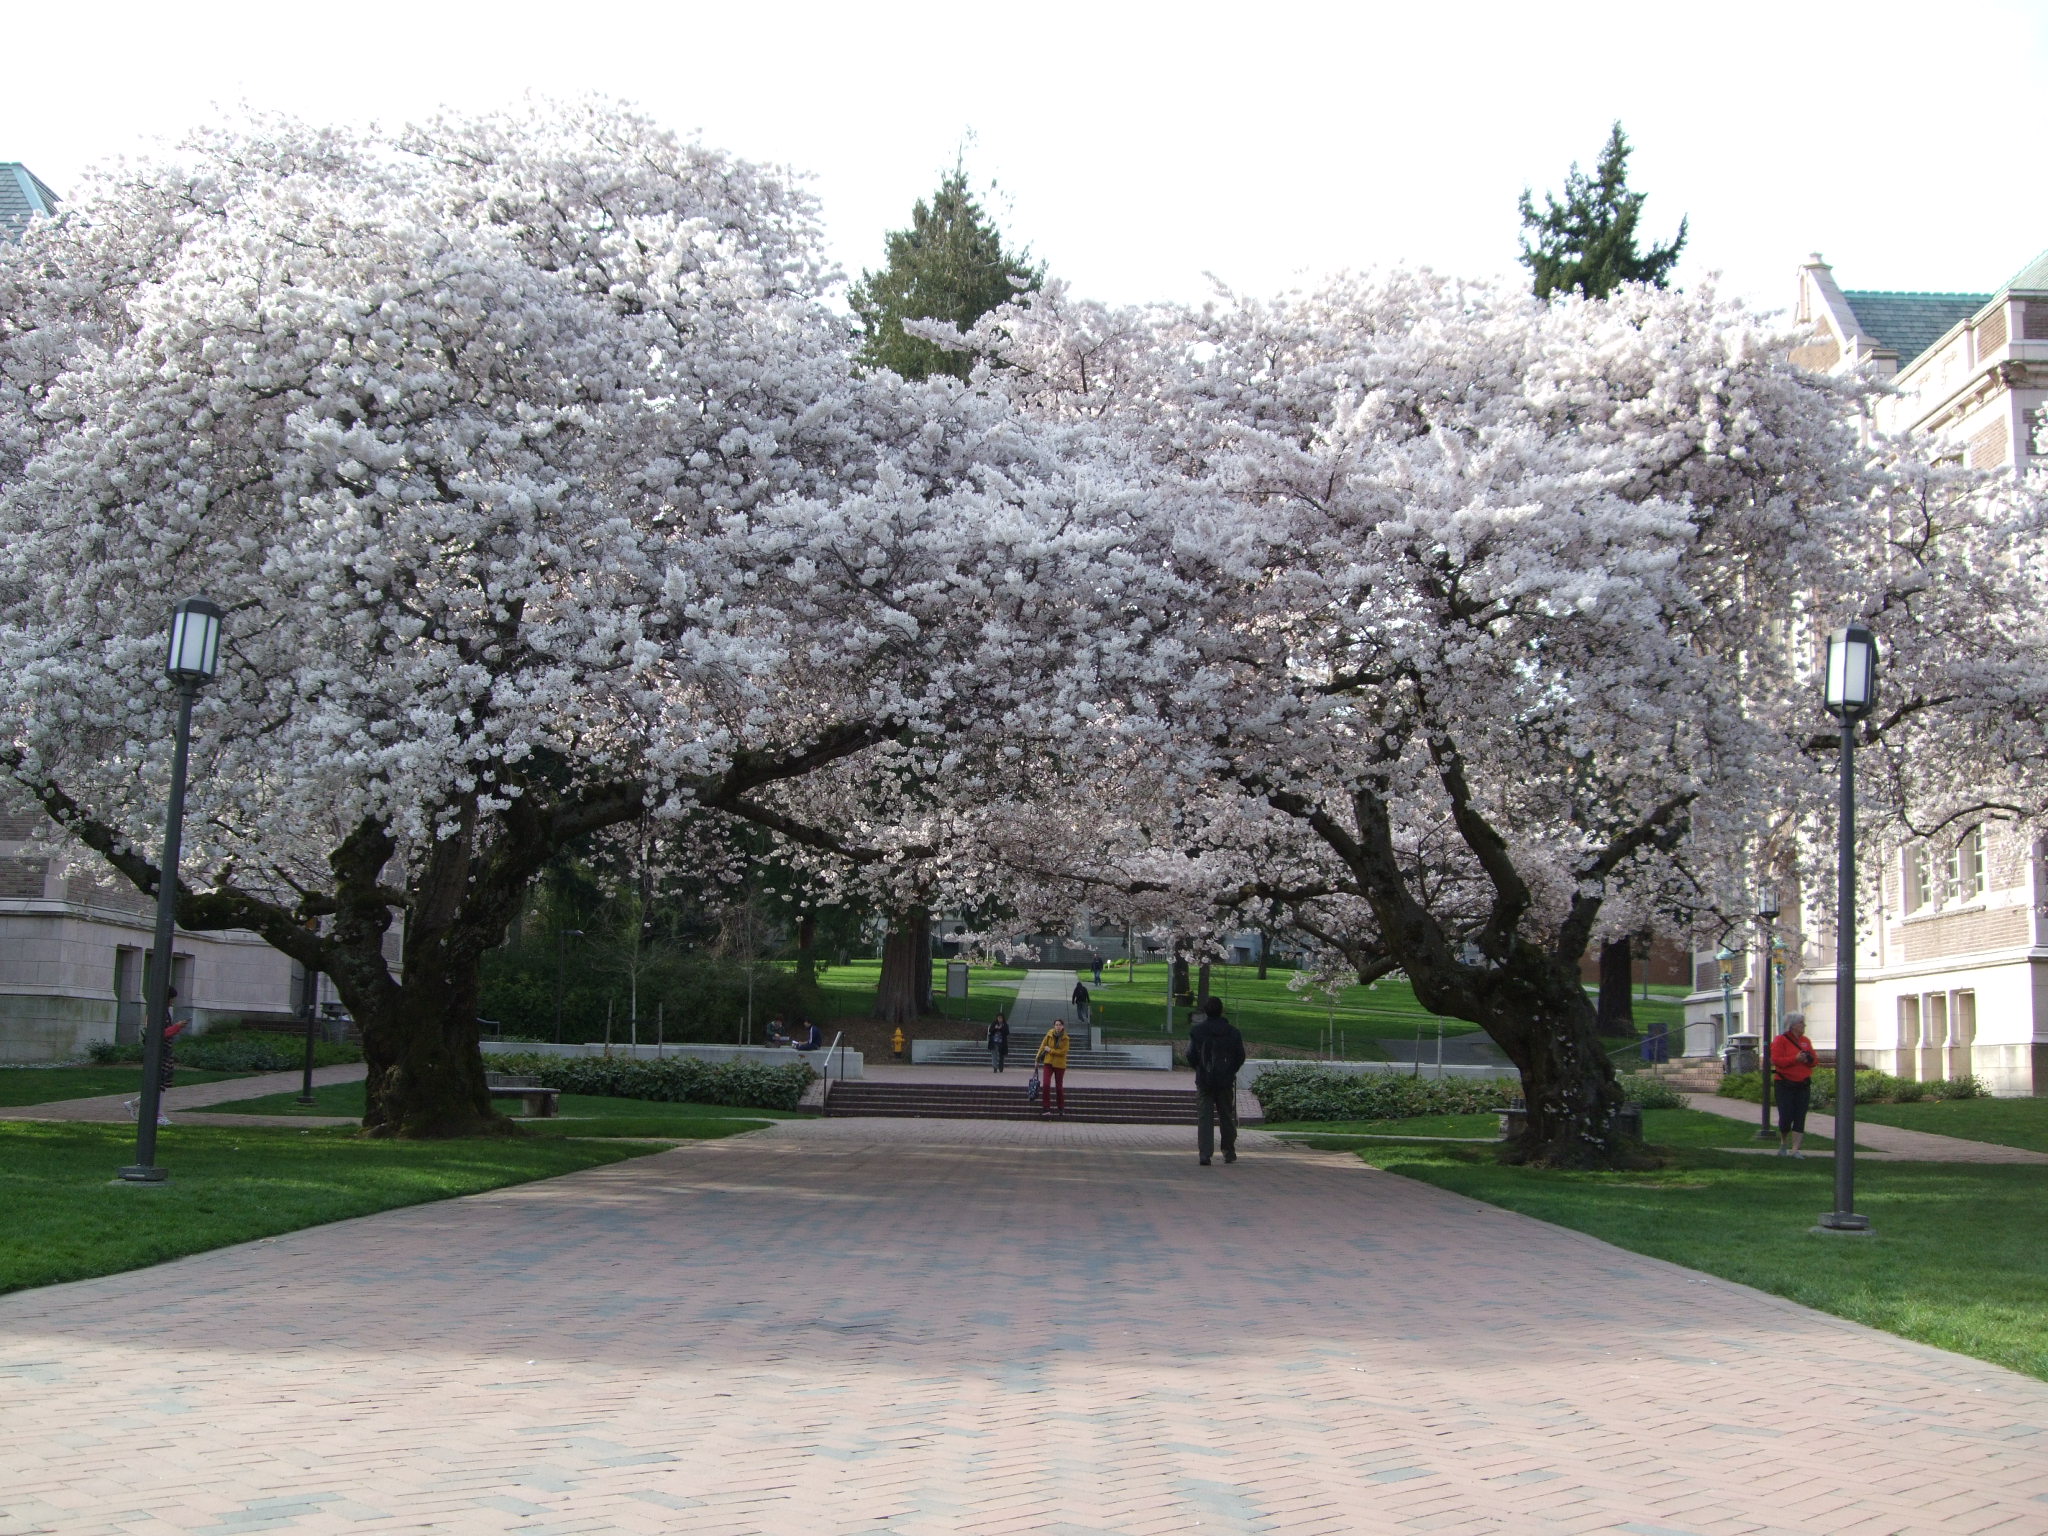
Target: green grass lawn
{"x": 1132, "y": 1002}
{"x": 2007, "y": 1122}
{"x": 47, "y": 1085}
{"x": 1336, "y": 1133}
{"x": 849, "y": 990}
{"x": 1670, "y": 1127}
{"x": 576, "y": 1114}
{"x": 68, "y": 1218}
{"x": 1959, "y": 1259}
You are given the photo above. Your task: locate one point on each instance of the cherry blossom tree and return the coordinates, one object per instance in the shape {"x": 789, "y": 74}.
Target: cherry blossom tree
{"x": 542, "y": 498}
{"x": 1487, "y": 596}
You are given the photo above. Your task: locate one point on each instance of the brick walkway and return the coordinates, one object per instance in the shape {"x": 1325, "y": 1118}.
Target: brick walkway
{"x": 790, "y": 1333}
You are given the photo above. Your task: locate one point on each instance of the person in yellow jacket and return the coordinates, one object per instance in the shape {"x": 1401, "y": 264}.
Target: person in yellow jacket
{"x": 1052, "y": 1067}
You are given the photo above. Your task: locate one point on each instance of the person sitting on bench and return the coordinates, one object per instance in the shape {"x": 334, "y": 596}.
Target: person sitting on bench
{"x": 808, "y": 1037}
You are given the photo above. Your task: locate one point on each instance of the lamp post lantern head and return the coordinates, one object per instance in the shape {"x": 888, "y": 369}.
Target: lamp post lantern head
{"x": 193, "y": 655}
{"x": 1850, "y": 689}
{"x": 1726, "y": 957}
{"x": 1767, "y": 906}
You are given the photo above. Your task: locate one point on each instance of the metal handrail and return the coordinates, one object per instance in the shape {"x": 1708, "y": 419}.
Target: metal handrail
{"x": 837, "y": 1037}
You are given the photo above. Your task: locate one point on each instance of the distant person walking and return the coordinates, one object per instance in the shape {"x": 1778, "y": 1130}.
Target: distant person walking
{"x": 1216, "y": 1052}
{"x": 1081, "y": 1004}
{"x": 1792, "y": 1059}
{"x": 1098, "y": 970}
{"x": 999, "y": 1041}
{"x": 1052, "y": 1067}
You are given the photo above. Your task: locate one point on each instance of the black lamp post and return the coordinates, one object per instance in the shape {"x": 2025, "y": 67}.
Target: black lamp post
{"x": 308, "y": 1010}
{"x": 1725, "y": 959}
{"x": 1766, "y": 1029}
{"x": 193, "y": 658}
{"x": 1849, "y": 692}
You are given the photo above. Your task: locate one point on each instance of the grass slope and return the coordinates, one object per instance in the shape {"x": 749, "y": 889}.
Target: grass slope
{"x": 2007, "y": 1122}
{"x": 1269, "y": 1013}
{"x": 1960, "y": 1259}
{"x": 577, "y": 1114}
{"x": 849, "y": 990}
{"x": 49, "y": 1085}
{"x": 68, "y": 1218}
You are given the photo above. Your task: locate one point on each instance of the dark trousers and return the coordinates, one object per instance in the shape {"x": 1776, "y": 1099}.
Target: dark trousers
{"x": 996, "y": 1053}
{"x": 1793, "y": 1099}
{"x": 1218, "y": 1106}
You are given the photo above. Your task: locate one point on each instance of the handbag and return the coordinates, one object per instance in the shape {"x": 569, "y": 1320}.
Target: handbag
{"x": 1031, "y": 1088}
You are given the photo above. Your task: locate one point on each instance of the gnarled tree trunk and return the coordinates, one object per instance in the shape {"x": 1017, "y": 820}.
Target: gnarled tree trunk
{"x": 905, "y": 993}
{"x": 1616, "y": 1018}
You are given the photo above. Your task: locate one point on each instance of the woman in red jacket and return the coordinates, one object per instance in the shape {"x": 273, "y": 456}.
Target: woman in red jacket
{"x": 1792, "y": 1058}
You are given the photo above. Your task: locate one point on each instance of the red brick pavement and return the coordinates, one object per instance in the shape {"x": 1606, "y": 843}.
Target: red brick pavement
{"x": 776, "y": 1334}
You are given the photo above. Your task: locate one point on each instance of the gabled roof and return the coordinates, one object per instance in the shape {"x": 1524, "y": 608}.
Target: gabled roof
{"x": 2032, "y": 278}
{"x": 22, "y": 197}
{"x": 1910, "y": 323}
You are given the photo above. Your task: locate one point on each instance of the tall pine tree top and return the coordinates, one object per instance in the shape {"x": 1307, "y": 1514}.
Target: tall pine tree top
{"x": 949, "y": 265}
{"x": 1588, "y": 241}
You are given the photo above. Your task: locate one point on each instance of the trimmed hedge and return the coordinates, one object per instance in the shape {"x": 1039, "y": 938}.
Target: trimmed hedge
{"x": 1871, "y": 1088}
{"x": 673, "y": 1080}
{"x": 235, "y": 1052}
{"x": 1309, "y": 1091}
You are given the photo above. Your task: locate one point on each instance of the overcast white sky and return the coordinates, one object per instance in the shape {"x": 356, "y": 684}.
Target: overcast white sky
{"x": 1138, "y": 147}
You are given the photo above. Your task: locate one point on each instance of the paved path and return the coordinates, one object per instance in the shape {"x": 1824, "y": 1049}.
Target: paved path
{"x": 1892, "y": 1141}
{"x": 1042, "y": 997}
{"x": 795, "y": 1334}
{"x": 195, "y": 1096}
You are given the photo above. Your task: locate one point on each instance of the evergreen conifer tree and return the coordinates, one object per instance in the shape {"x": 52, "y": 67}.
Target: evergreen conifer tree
{"x": 949, "y": 265}
{"x": 1588, "y": 241}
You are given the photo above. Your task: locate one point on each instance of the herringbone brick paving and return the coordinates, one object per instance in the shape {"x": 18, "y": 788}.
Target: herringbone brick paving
{"x": 796, "y": 1332}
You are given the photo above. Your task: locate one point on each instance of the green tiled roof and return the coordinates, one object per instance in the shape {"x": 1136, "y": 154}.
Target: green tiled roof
{"x": 22, "y": 197}
{"x": 2032, "y": 278}
{"x": 1910, "y": 323}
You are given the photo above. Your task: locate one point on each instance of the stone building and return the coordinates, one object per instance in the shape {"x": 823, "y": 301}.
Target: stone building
{"x": 74, "y": 955}
{"x": 1952, "y": 968}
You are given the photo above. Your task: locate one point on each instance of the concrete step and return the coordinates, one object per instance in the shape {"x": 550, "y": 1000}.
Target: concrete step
{"x": 962, "y": 1101}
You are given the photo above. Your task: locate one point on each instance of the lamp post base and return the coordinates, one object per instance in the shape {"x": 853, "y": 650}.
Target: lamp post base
{"x": 1846, "y": 1223}
{"x": 1764, "y": 1133}
{"x": 137, "y": 1173}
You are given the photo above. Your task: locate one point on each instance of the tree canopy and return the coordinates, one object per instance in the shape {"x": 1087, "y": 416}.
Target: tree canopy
{"x": 949, "y": 266}
{"x": 1587, "y": 243}
{"x": 543, "y": 497}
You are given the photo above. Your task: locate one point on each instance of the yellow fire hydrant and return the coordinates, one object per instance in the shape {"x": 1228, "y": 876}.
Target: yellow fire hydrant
{"x": 896, "y": 1042}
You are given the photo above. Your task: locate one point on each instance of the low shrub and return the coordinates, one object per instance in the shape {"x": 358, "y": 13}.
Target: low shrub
{"x": 1964, "y": 1087}
{"x": 237, "y": 1050}
{"x": 1310, "y": 1091}
{"x": 1650, "y": 1092}
{"x": 744, "y": 1084}
{"x": 1872, "y": 1087}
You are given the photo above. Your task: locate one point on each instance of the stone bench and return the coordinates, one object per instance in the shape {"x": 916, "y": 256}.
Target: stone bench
{"x": 535, "y": 1100}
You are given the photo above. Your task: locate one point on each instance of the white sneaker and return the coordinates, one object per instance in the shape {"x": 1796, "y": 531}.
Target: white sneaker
{"x": 163, "y": 1119}
{"x": 134, "y": 1112}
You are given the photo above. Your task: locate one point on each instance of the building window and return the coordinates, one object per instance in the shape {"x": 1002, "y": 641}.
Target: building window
{"x": 1909, "y": 1023}
{"x": 1918, "y": 862}
{"x": 1936, "y": 876}
{"x": 1962, "y": 874}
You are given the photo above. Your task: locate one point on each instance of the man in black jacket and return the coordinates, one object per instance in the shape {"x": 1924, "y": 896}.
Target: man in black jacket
{"x": 1216, "y": 1051}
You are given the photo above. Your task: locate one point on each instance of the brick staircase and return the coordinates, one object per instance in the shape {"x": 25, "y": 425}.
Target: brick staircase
{"x": 972, "y": 1101}
{"x": 1697, "y": 1074}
